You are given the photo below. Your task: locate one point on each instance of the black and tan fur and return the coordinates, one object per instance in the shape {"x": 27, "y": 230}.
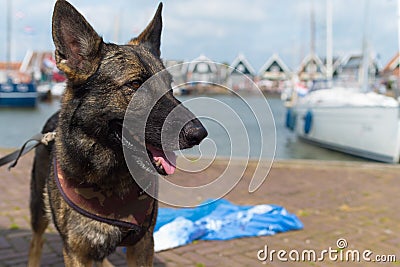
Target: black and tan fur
{"x": 102, "y": 78}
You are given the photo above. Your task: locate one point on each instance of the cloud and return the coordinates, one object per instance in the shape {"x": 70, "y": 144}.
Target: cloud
{"x": 220, "y": 10}
{"x": 220, "y": 28}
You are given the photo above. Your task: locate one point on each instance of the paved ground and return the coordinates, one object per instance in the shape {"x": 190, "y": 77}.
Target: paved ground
{"x": 355, "y": 201}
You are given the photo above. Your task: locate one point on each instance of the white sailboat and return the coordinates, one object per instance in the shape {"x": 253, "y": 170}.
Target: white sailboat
{"x": 349, "y": 119}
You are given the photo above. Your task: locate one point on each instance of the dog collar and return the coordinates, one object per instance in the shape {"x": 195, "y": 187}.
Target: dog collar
{"x": 134, "y": 211}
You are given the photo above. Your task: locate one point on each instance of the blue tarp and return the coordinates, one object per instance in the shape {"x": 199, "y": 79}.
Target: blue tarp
{"x": 220, "y": 220}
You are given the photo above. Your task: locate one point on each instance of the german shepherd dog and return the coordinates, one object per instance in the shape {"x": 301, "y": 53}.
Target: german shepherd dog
{"x": 87, "y": 153}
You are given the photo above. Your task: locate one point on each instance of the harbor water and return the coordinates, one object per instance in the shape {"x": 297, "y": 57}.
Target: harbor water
{"x": 238, "y": 127}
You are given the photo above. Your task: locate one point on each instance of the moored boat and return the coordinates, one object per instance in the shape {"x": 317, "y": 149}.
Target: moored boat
{"x": 362, "y": 124}
{"x": 18, "y": 94}
{"x": 348, "y": 118}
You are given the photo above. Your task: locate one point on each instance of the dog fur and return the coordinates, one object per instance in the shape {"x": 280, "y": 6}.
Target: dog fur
{"x": 102, "y": 79}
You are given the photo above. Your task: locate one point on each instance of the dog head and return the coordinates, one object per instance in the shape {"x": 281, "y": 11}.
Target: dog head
{"x": 103, "y": 78}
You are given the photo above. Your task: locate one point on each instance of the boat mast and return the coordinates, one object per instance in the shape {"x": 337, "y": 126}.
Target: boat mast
{"x": 312, "y": 29}
{"x": 312, "y": 41}
{"x": 329, "y": 41}
{"x": 398, "y": 49}
{"x": 365, "y": 54}
{"x": 8, "y": 37}
{"x": 117, "y": 28}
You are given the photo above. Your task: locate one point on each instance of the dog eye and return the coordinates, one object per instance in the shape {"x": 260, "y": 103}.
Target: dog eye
{"x": 133, "y": 85}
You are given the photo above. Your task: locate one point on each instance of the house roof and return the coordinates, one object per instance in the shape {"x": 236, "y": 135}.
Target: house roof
{"x": 274, "y": 60}
{"x": 241, "y": 64}
{"x": 199, "y": 61}
{"x": 392, "y": 64}
{"x": 354, "y": 60}
{"x": 336, "y": 62}
{"x": 309, "y": 58}
{"x": 11, "y": 65}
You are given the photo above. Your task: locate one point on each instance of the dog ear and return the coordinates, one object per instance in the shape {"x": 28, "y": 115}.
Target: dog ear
{"x": 151, "y": 36}
{"x": 78, "y": 46}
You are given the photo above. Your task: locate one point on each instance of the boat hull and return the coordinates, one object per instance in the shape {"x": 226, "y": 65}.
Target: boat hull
{"x": 18, "y": 95}
{"x": 369, "y": 132}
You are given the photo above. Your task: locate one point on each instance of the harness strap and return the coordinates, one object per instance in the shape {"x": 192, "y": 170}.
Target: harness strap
{"x": 133, "y": 212}
{"x": 37, "y": 138}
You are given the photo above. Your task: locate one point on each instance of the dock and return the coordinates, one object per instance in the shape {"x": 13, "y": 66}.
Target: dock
{"x": 352, "y": 202}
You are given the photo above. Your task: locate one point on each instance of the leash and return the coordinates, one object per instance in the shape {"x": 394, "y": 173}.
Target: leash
{"x": 44, "y": 139}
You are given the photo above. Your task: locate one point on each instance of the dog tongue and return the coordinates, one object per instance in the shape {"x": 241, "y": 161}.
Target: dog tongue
{"x": 167, "y": 158}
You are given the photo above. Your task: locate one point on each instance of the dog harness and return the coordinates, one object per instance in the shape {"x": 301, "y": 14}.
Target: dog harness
{"x": 135, "y": 211}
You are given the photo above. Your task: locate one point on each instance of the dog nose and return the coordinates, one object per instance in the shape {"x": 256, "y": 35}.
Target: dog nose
{"x": 194, "y": 132}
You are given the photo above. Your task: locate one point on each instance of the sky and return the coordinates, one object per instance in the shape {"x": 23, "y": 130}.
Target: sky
{"x": 219, "y": 29}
